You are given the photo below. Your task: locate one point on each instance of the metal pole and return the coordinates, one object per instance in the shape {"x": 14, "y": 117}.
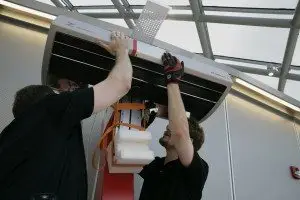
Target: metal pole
{"x": 256, "y": 62}
{"x": 290, "y": 48}
{"x": 183, "y": 17}
{"x": 288, "y": 56}
{"x": 128, "y": 9}
{"x": 279, "y": 11}
{"x": 122, "y": 11}
{"x": 58, "y": 4}
{"x": 263, "y": 72}
{"x": 202, "y": 29}
{"x": 68, "y": 4}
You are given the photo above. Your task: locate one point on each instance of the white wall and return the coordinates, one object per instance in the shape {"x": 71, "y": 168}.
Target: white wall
{"x": 264, "y": 145}
{"x": 21, "y": 54}
{"x": 248, "y": 148}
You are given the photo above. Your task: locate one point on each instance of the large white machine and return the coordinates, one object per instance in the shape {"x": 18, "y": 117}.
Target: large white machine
{"x": 71, "y": 52}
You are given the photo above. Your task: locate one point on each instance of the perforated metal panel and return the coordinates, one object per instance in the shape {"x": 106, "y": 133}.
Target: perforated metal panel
{"x": 150, "y": 21}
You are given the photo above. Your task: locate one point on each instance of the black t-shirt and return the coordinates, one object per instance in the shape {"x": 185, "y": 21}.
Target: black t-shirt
{"x": 42, "y": 150}
{"x": 173, "y": 181}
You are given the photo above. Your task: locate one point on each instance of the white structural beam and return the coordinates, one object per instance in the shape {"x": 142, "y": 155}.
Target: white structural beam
{"x": 290, "y": 48}
{"x": 247, "y": 21}
{"x": 123, "y": 12}
{"x": 250, "y": 21}
{"x": 202, "y": 29}
{"x": 279, "y": 11}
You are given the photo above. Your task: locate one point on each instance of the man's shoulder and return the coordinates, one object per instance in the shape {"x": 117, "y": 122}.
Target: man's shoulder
{"x": 156, "y": 162}
{"x": 198, "y": 164}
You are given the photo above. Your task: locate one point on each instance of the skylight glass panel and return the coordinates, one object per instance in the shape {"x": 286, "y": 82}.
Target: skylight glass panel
{"x": 296, "y": 57}
{"x": 119, "y": 22}
{"x": 166, "y": 2}
{"x": 181, "y": 34}
{"x": 90, "y": 2}
{"x": 98, "y": 11}
{"x": 292, "y": 89}
{"x": 47, "y": 2}
{"x": 252, "y": 3}
{"x": 249, "y": 42}
{"x": 268, "y": 80}
{"x": 187, "y": 12}
{"x": 293, "y": 71}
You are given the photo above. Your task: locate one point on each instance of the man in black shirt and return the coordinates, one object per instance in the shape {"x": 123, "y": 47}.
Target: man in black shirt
{"x": 180, "y": 175}
{"x": 41, "y": 150}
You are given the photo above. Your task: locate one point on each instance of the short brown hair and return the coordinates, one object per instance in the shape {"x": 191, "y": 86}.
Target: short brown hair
{"x": 28, "y": 96}
{"x": 196, "y": 133}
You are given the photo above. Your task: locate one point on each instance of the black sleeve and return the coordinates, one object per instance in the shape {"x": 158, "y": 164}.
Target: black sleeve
{"x": 69, "y": 108}
{"x": 196, "y": 173}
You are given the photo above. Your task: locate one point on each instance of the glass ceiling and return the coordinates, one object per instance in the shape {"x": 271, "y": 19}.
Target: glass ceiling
{"x": 252, "y": 3}
{"x": 248, "y": 47}
{"x": 90, "y": 2}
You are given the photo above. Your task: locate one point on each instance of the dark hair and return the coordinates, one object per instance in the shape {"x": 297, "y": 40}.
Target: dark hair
{"x": 196, "y": 133}
{"x": 28, "y": 96}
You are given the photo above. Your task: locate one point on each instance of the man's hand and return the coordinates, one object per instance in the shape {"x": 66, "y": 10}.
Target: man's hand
{"x": 174, "y": 69}
{"x": 119, "y": 43}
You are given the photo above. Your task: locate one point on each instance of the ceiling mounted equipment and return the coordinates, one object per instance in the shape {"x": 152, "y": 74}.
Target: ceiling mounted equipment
{"x": 71, "y": 52}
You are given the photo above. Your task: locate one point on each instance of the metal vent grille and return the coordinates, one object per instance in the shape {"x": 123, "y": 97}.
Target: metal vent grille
{"x": 150, "y": 21}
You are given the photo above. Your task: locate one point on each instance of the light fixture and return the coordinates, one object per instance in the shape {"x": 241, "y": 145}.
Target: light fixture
{"x": 272, "y": 69}
{"x": 266, "y": 94}
{"x": 27, "y": 10}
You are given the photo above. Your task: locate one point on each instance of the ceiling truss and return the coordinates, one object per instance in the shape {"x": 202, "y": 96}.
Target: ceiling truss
{"x": 126, "y": 12}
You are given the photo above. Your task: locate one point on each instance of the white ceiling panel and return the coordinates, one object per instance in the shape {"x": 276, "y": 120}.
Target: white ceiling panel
{"x": 166, "y": 2}
{"x": 47, "y": 2}
{"x": 250, "y": 42}
{"x": 292, "y": 89}
{"x": 181, "y": 34}
{"x": 252, "y": 3}
{"x": 268, "y": 80}
{"x": 119, "y": 22}
{"x": 90, "y": 2}
{"x": 296, "y": 57}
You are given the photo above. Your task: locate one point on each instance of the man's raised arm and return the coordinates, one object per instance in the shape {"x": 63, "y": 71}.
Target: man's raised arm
{"x": 178, "y": 123}
{"x": 118, "y": 82}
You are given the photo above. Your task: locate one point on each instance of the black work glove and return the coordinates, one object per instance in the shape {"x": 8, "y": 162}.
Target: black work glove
{"x": 173, "y": 68}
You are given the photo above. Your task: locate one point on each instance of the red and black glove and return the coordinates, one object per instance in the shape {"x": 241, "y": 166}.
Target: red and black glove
{"x": 174, "y": 69}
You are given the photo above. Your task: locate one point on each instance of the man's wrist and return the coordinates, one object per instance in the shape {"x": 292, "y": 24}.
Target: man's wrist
{"x": 173, "y": 85}
{"x": 122, "y": 51}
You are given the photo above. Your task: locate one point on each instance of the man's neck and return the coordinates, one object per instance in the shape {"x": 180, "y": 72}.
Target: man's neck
{"x": 171, "y": 155}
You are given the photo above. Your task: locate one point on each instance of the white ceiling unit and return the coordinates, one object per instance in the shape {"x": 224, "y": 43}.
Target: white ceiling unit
{"x": 71, "y": 52}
